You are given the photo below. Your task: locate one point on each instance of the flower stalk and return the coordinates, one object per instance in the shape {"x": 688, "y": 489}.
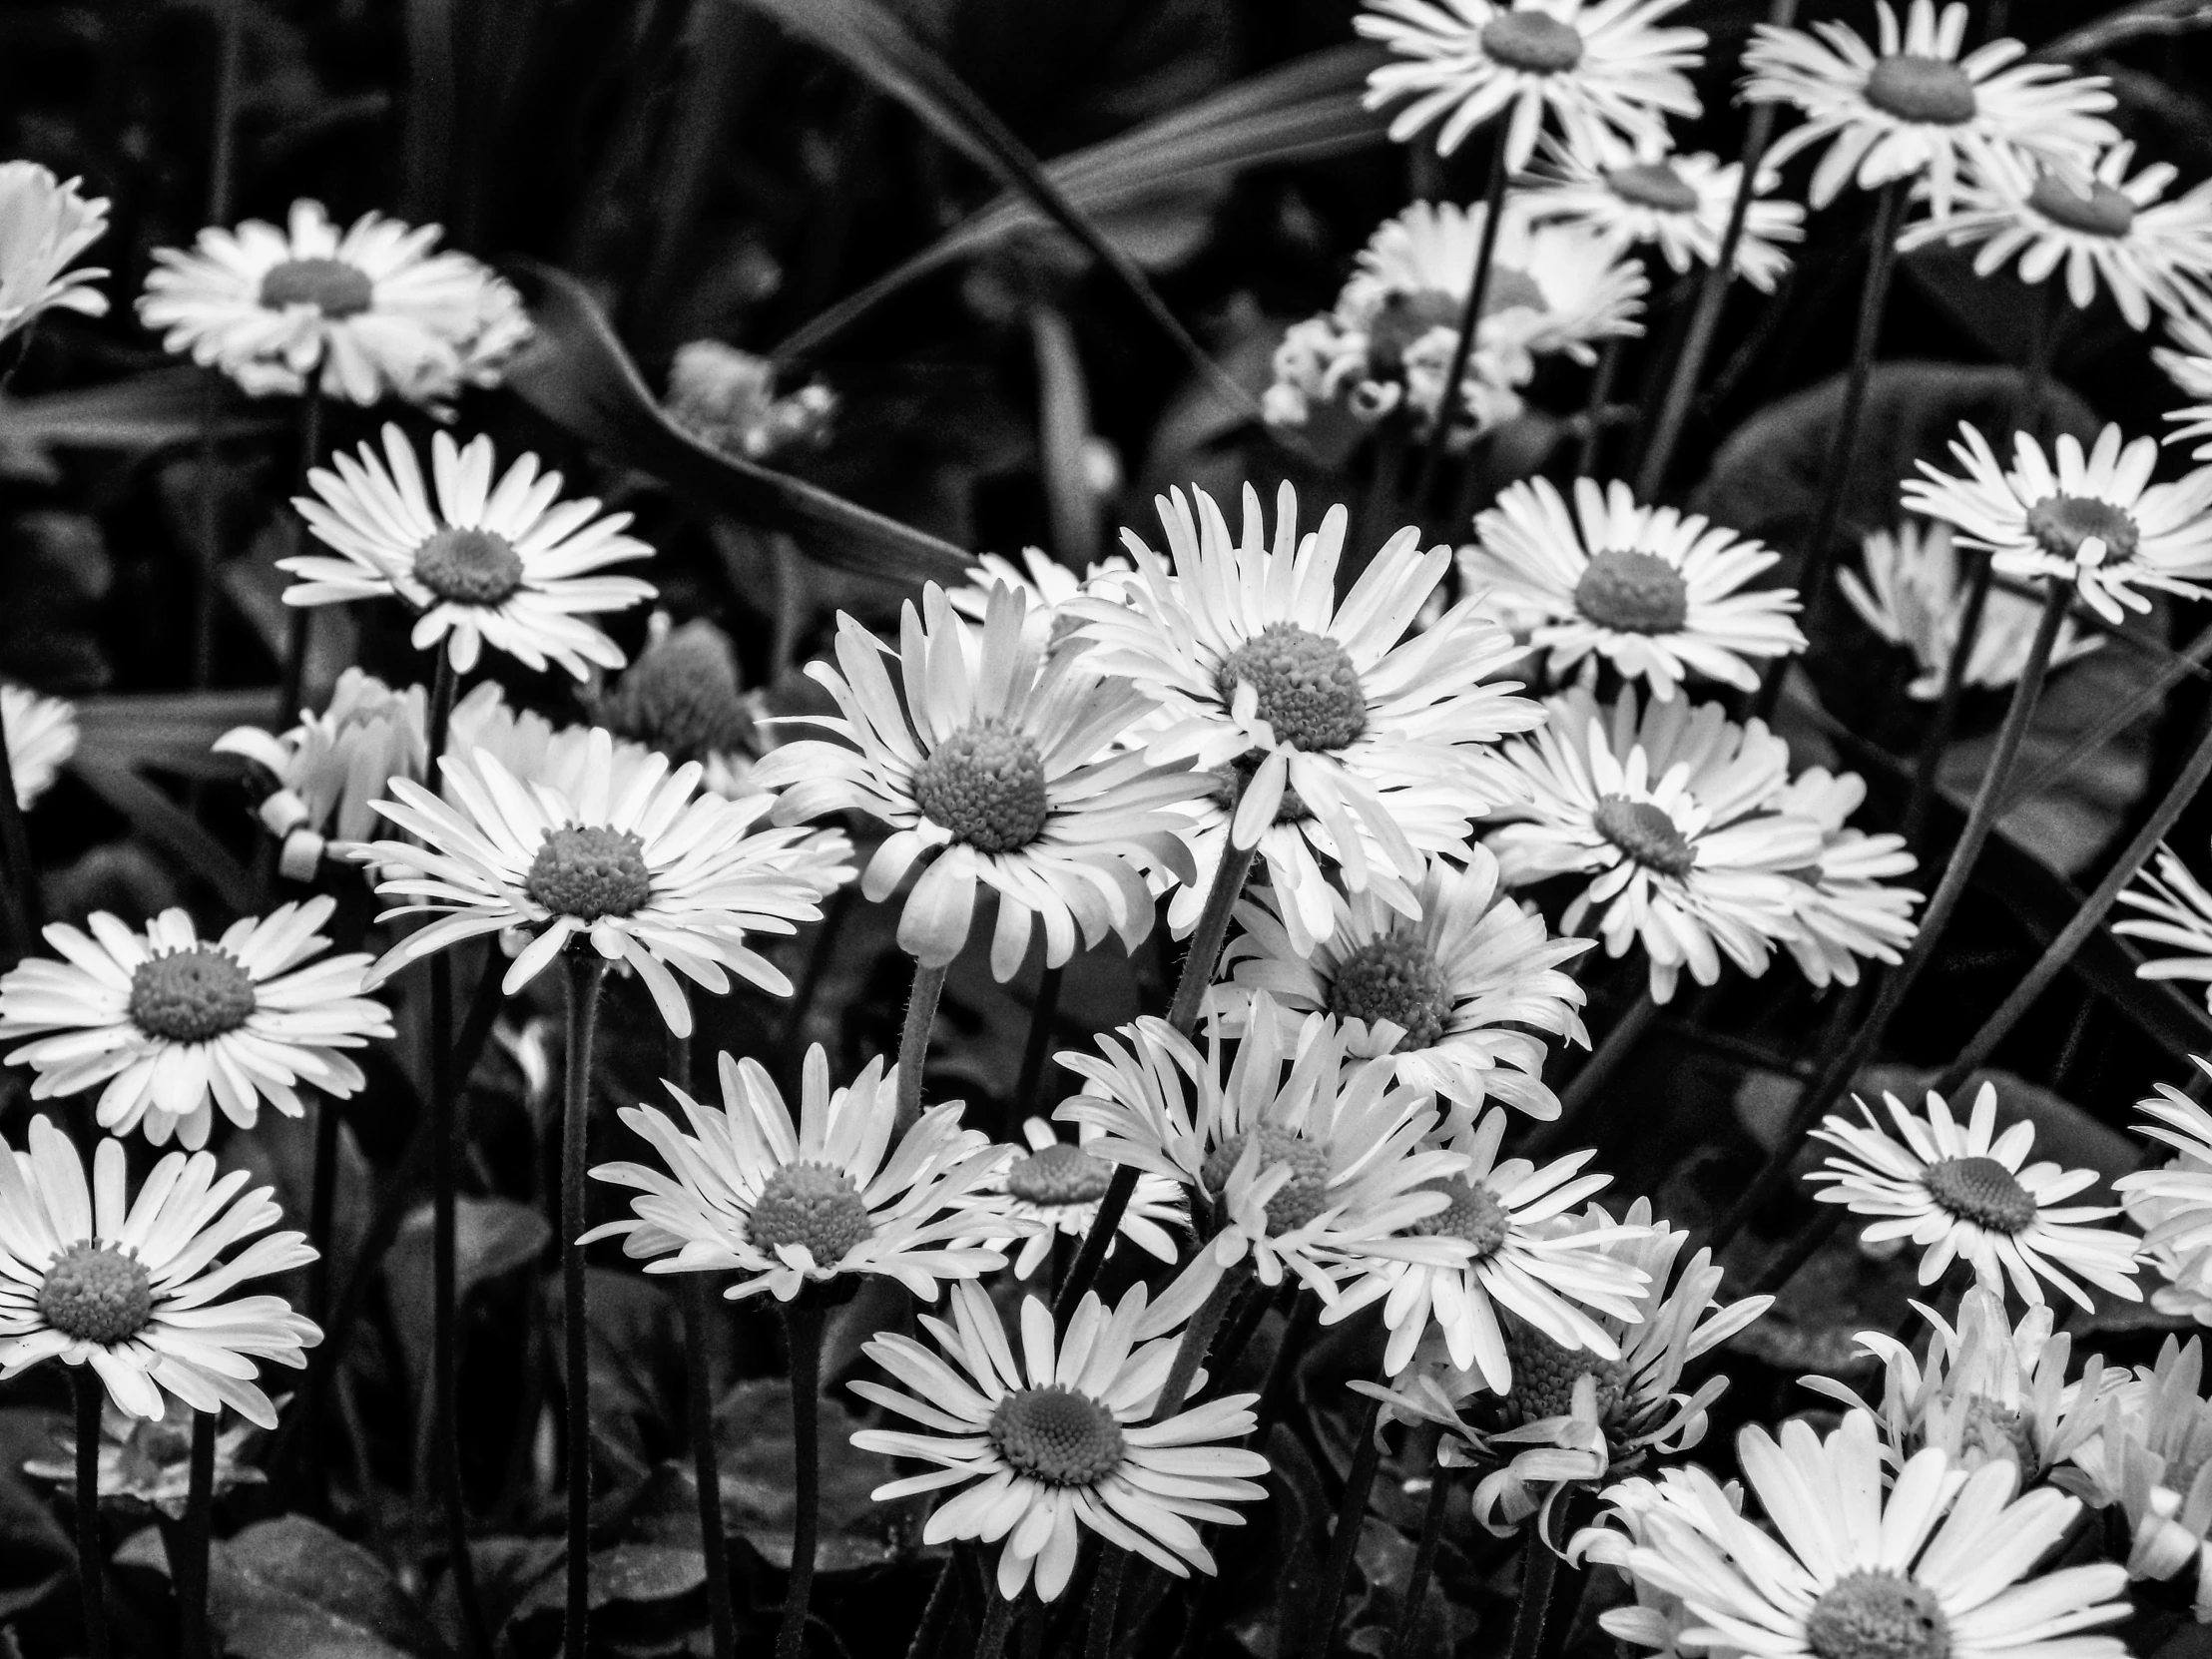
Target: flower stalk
{"x": 1471, "y": 320}
{"x": 91, "y": 1554}
{"x": 1407, "y": 1633}
{"x": 914, "y": 1040}
{"x": 802, "y": 1320}
{"x": 698, "y": 1301}
{"x": 586, "y": 970}
{"x": 187, "y": 1566}
{"x": 301, "y": 631}
{"x": 1344, "y": 1543}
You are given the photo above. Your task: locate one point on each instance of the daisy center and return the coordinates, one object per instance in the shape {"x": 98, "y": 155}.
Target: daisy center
{"x": 1932, "y": 91}
{"x": 1060, "y": 1174}
{"x": 588, "y": 871}
{"x": 95, "y": 1293}
{"x": 332, "y": 287}
{"x": 191, "y": 996}
{"x": 1643, "y": 830}
{"x": 1982, "y": 1191}
{"x": 1545, "y": 1375}
{"x": 2000, "y": 1430}
{"x": 1395, "y": 977}
{"x": 2104, "y": 212}
{"x": 1652, "y": 185}
{"x": 1056, "y": 1435}
{"x": 985, "y": 783}
{"x": 682, "y": 698}
{"x": 1474, "y": 1214}
{"x": 1532, "y": 41}
{"x": 2084, "y": 528}
{"x": 1632, "y": 593}
{"x": 1878, "y": 1615}
{"x": 1299, "y": 1198}
{"x": 468, "y": 567}
{"x": 1310, "y": 693}
{"x": 812, "y": 1205}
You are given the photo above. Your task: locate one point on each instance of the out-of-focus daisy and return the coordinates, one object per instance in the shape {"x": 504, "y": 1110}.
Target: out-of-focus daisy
{"x": 1910, "y": 106}
{"x": 996, "y": 769}
{"x": 331, "y": 765}
{"x": 1453, "y": 997}
{"x": 682, "y": 697}
{"x": 2173, "y": 1204}
{"x": 41, "y": 735}
{"x": 1051, "y": 1190}
{"x": 2188, "y": 364}
{"x": 367, "y": 313}
{"x": 145, "y": 1462}
{"x": 1844, "y": 902}
{"x": 727, "y": 399}
{"x": 140, "y": 1289}
{"x": 507, "y": 564}
{"x": 785, "y": 1205}
{"x": 638, "y": 864}
{"x": 174, "y": 1025}
{"x": 1965, "y": 1193}
{"x": 1602, "y": 72}
{"x": 2094, "y": 520}
{"x": 1915, "y": 594}
{"x": 2177, "y": 912}
{"x": 2149, "y": 1458}
{"x": 1678, "y": 204}
{"x": 1668, "y": 811}
{"x": 1059, "y": 1441}
{"x": 1046, "y": 582}
{"x": 1657, "y": 593}
{"x": 44, "y": 225}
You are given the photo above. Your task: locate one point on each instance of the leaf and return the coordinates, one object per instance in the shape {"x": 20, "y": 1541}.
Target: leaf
{"x": 626, "y": 1572}
{"x": 753, "y": 1432}
{"x": 2146, "y": 17}
{"x": 169, "y": 826}
{"x": 36, "y": 1555}
{"x": 291, "y": 1588}
{"x": 138, "y": 415}
{"x": 492, "y": 1236}
{"x": 576, "y": 374}
{"x": 171, "y": 732}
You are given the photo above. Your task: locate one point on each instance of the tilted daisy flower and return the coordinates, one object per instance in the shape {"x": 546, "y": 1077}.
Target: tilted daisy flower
{"x": 2177, "y": 913}
{"x": 2108, "y": 230}
{"x": 1910, "y": 106}
{"x": 1844, "y": 903}
{"x": 140, "y": 1289}
{"x": 2094, "y": 520}
{"x": 44, "y": 225}
{"x": 1678, "y": 204}
{"x": 1659, "y": 593}
{"x": 1667, "y": 810}
{"x": 1454, "y": 997}
{"x": 633, "y": 861}
{"x": 2173, "y": 1204}
{"x": 1965, "y": 1193}
{"x": 998, "y": 769}
{"x": 1913, "y": 593}
{"x": 174, "y": 1026}
{"x": 1657, "y": 1619}
{"x": 2150, "y": 1458}
{"x": 508, "y": 564}
{"x": 365, "y": 313}
{"x": 1046, "y": 582}
{"x": 1051, "y": 1190}
{"x": 329, "y": 767}
{"x": 41, "y": 738}
{"x": 1247, "y": 652}
{"x": 2188, "y": 364}
{"x": 145, "y": 1462}
{"x": 742, "y": 1189}
{"x": 1059, "y": 1441}
{"x": 1601, "y": 72}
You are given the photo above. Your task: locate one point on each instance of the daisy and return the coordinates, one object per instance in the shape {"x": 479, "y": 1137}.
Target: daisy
{"x": 2108, "y": 230}
{"x": 1657, "y": 1619}
{"x": 1059, "y": 1441}
{"x": 1658, "y": 594}
{"x": 727, "y": 399}
{"x": 1053, "y": 1191}
{"x": 1678, "y": 204}
{"x": 1668, "y": 815}
{"x": 175, "y": 1026}
{"x": 1452, "y": 997}
{"x": 488, "y": 563}
{"x": 145, "y": 1464}
{"x": 996, "y": 769}
{"x": 634, "y": 862}
{"x": 785, "y": 1206}
{"x": 44, "y": 225}
{"x": 2188, "y": 364}
{"x": 1913, "y": 594}
{"x": 1860, "y": 1572}
{"x": 1844, "y": 905}
{"x": 134, "y": 1287}
{"x": 366, "y": 314}
{"x": 1046, "y": 582}
{"x": 1911, "y": 107}
{"x": 2149, "y": 1458}
{"x": 2173, "y": 1204}
{"x": 1969, "y": 1193}
{"x": 2177, "y": 911}
{"x": 41, "y": 735}
{"x": 1604, "y": 72}
{"x": 682, "y": 697}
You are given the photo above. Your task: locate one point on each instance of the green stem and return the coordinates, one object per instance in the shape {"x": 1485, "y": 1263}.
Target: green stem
{"x": 91, "y": 1557}
{"x": 585, "y": 972}
{"x": 222, "y": 146}
{"x": 302, "y": 629}
{"x": 1041, "y": 1018}
{"x": 1470, "y": 322}
{"x": 1403, "y": 1639}
{"x": 321, "y": 1203}
{"x": 1539, "y": 1568}
{"x": 996, "y": 1621}
{"x": 1930, "y": 760}
{"x": 1593, "y": 410}
{"x": 1105, "y": 1607}
{"x": 914, "y": 1041}
{"x": 803, "y": 1330}
{"x": 189, "y": 1564}
{"x": 1344, "y": 1543}
{"x": 699, "y": 1400}
{"x": 1597, "y": 1071}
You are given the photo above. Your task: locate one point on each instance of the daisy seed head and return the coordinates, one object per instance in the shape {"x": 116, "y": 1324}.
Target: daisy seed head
{"x": 1878, "y": 1615}
{"x": 1310, "y": 692}
{"x": 588, "y": 871}
{"x": 1634, "y": 592}
{"x": 2065, "y": 525}
{"x": 1932, "y": 91}
{"x": 332, "y": 287}
{"x": 1653, "y": 185}
{"x": 1645, "y": 832}
{"x": 1059, "y": 1173}
{"x": 191, "y": 996}
{"x": 95, "y": 1293}
{"x": 815, "y": 1204}
{"x": 1299, "y": 1198}
{"x": 1544, "y": 1376}
{"x": 1395, "y": 977}
{"x": 2104, "y": 212}
{"x": 468, "y": 567}
{"x": 1981, "y": 1190}
{"x": 1474, "y": 1214}
{"x": 682, "y": 697}
{"x": 1056, "y": 1435}
{"x": 985, "y": 783}
{"x": 1533, "y": 41}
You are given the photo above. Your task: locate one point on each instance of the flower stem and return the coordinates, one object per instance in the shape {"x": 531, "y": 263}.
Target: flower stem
{"x": 1471, "y": 320}
{"x": 1344, "y": 1544}
{"x": 998, "y": 1619}
{"x": 803, "y": 1332}
{"x": 1539, "y": 1567}
{"x": 321, "y": 1202}
{"x": 1105, "y": 1607}
{"x": 699, "y": 1405}
{"x": 1197, "y": 1337}
{"x": 584, "y": 972}
{"x": 1593, "y": 410}
{"x": 1404, "y": 1638}
{"x": 1946, "y": 721}
{"x": 1041, "y": 1017}
{"x": 914, "y": 1041}
{"x": 188, "y": 1567}
{"x": 221, "y": 146}
{"x": 1596, "y": 1071}
{"x": 91, "y": 1558}
{"x": 302, "y": 629}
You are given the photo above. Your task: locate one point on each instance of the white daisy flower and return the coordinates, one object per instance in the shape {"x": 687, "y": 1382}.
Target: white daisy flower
{"x": 2149, "y": 1460}
{"x": 2177, "y": 912}
{"x": 1657, "y": 1619}
{"x": 2173, "y": 1204}
{"x": 1046, "y": 583}
{"x": 1061, "y": 1440}
{"x": 44, "y": 225}
{"x": 1602, "y": 72}
{"x": 138, "y": 1287}
{"x": 366, "y": 314}
{"x": 1657, "y": 593}
{"x": 1669, "y": 813}
{"x": 1051, "y": 1190}
{"x": 487, "y": 563}
{"x": 727, "y": 399}
{"x": 633, "y": 860}
{"x": 1844, "y": 903}
{"x": 996, "y": 769}
{"x": 786, "y": 1205}
{"x": 1453, "y": 997}
{"x": 41, "y": 735}
{"x": 1913, "y": 593}
{"x": 175, "y": 1026}
{"x": 1678, "y": 204}
{"x": 682, "y": 697}
{"x": 2108, "y": 230}
{"x": 1967, "y": 1193}
{"x": 1910, "y": 106}
{"x": 145, "y": 1462}
{"x": 2188, "y": 364}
